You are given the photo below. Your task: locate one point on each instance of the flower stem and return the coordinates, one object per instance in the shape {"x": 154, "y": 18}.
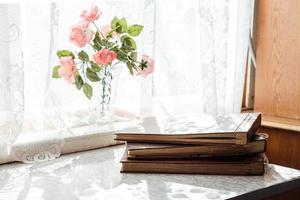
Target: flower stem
{"x": 82, "y": 71}
{"x": 115, "y": 64}
{"x": 103, "y": 94}
{"x": 98, "y": 29}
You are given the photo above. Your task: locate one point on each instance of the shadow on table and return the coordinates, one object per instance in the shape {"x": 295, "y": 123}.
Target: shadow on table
{"x": 96, "y": 175}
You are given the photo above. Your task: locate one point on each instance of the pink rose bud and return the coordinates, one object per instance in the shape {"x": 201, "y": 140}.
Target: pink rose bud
{"x": 91, "y": 15}
{"x": 67, "y": 69}
{"x": 80, "y": 34}
{"x": 150, "y": 66}
{"x": 104, "y": 56}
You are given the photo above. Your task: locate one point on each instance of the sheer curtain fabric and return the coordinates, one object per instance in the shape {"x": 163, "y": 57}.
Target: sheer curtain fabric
{"x": 199, "y": 46}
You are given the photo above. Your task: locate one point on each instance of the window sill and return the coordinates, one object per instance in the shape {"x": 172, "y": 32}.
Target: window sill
{"x": 281, "y": 123}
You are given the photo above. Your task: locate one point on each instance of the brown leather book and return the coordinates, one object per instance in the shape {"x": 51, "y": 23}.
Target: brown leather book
{"x": 175, "y": 151}
{"x": 194, "y": 129}
{"x": 241, "y": 165}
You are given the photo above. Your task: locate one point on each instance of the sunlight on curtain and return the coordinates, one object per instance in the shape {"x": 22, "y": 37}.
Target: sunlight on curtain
{"x": 11, "y": 77}
{"x": 199, "y": 47}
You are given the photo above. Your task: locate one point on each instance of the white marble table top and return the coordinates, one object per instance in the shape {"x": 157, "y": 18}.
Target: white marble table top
{"x": 95, "y": 175}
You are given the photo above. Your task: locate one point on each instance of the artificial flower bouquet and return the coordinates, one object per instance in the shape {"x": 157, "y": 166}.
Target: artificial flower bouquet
{"x": 111, "y": 44}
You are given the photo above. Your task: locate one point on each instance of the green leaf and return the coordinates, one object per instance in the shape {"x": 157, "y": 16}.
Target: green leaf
{"x": 122, "y": 57}
{"x": 133, "y": 55}
{"x": 97, "y": 41}
{"x": 130, "y": 66}
{"x": 64, "y": 53}
{"x": 78, "y": 82}
{"x": 118, "y": 25}
{"x": 95, "y": 67}
{"x": 135, "y": 30}
{"x": 128, "y": 44}
{"x": 92, "y": 76}
{"x": 123, "y": 38}
{"x": 113, "y": 22}
{"x": 106, "y": 43}
{"x": 55, "y": 72}
{"x": 88, "y": 90}
{"x": 82, "y": 55}
{"x": 123, "y": 24}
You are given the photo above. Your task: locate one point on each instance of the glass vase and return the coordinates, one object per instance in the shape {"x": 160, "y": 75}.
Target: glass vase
{"x": 104, "y": 115}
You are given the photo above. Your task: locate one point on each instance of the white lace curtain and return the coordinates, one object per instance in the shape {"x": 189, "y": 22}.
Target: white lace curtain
{"x": 200, "y": 49}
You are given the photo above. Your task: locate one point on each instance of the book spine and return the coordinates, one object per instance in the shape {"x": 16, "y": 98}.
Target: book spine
{"x": 256, "y": 168}
{"x": 254, "y": 128}
{"x": 191, "y": 156}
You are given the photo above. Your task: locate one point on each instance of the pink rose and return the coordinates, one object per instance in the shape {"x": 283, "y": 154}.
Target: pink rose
{"x": 150, "y": 66}
{"x": 91, "y": 15}
{"x": 80, "y": 34}
{"x": 104, "y": 57}
{"x": 67, "y": 69}
{"x": 105, "y": 30}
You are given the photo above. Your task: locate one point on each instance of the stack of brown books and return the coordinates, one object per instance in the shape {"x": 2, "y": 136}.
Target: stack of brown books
{"x": 196, "y": 144}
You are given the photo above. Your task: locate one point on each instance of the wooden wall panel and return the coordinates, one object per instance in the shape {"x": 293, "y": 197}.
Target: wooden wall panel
{"x": 283, "y": 147}
{"x": 277, "y": 91}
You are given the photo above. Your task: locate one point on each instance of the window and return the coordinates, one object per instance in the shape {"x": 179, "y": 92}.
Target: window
{"x": 200, "y": 49}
